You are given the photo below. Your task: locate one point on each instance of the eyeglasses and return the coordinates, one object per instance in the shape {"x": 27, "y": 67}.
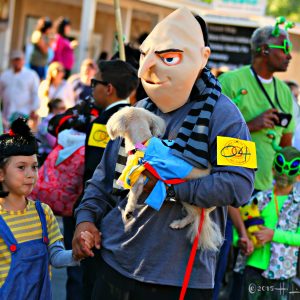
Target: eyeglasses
{"x": 286, "y": 47}
{"x": 290, "y": 168}
{"x": 94, "y": 82}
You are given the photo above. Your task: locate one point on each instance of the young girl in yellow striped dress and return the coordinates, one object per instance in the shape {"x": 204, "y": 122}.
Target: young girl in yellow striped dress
{"x": 30, "y": 238}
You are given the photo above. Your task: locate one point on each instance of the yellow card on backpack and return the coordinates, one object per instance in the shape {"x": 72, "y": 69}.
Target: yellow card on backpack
{"x": 98, "y": 136}
{"x": 236, "y": 152}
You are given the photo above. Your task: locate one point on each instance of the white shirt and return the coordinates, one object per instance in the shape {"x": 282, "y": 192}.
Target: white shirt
{"x": 19, "y": 92}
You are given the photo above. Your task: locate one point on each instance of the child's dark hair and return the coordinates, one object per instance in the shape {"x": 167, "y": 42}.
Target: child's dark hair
{"x": 121, "y": 75}
{"x": 53, "y": 104}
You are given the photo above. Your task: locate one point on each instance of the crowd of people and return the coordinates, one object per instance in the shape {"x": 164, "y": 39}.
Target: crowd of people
{"x": 57, "y": 158}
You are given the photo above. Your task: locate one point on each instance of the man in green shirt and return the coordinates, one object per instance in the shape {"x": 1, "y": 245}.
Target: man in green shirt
{"x": 265, "y": 97}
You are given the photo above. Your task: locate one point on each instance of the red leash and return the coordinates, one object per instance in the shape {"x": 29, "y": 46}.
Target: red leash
{"x": 190, "y": 263}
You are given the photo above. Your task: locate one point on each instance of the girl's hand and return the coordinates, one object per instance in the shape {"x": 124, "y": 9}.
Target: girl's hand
{"x": 74, "y": 44}
{"x": 245, "y": 245}
{"x": 264, "y": 235}
{"x": 88, "y": 239}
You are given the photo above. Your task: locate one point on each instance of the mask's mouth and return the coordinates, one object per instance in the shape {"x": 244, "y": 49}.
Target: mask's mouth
{"x": 154, "y": 83}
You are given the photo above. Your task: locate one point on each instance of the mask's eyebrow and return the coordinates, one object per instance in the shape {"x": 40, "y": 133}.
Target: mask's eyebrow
{"x": 168, "y": 50}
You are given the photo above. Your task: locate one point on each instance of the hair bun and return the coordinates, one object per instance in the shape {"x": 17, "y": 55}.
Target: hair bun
{"x": 20, "y": 127}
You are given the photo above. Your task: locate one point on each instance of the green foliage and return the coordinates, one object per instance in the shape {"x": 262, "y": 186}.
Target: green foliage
{"x": 288, "y": 8}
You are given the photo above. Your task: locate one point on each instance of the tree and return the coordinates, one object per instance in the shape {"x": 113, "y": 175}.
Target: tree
{"x": 287, "y": 8}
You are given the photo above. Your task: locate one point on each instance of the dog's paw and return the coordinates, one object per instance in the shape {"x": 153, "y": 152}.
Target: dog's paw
{"x": 177, "y": 224}
{"x": 127, "y": 216}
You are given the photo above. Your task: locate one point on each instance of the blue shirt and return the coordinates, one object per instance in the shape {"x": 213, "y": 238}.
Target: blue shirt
{"x": 150, "y": 251}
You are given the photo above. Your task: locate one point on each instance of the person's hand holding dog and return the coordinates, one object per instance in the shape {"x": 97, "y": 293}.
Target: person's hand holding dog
{"x": 86, "y": 236}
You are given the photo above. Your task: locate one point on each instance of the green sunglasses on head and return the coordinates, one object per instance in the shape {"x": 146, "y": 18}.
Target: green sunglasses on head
{"x": 286, "y": 47}
{"x": 290, "y": 168}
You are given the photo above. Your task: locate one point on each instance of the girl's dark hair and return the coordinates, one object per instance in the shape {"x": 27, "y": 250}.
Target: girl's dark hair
{"x": 61, "y": 24}
{"x": 43, "y": 24}
{"x": 3, "y": 162}
{"x": 204, "y": 29}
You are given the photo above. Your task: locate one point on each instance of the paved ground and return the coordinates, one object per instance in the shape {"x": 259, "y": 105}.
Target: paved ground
{"x": 59, "y": 277}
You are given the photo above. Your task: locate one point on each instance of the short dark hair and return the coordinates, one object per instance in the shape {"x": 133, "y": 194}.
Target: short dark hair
{"x": 121, "y": 75}
{"x": 53, "y": 104}
{"x": 291, "y": 83}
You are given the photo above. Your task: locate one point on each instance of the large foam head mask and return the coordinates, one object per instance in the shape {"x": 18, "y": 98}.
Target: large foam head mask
{"x": 172, "y": 57}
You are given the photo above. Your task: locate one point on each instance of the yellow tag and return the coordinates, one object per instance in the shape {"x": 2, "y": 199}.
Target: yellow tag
{"x": 235, "y": 152}
{"x": 98, "y": 136}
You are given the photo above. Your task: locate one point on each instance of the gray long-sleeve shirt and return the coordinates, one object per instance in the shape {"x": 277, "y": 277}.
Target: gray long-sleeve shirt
{"x": 149, "y": 250}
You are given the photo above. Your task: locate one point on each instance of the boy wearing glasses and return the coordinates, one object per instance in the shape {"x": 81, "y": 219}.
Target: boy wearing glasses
{"x": 272, "y": 266}
{"x": 267, "y": 96}
{"x": 112, "y": 84}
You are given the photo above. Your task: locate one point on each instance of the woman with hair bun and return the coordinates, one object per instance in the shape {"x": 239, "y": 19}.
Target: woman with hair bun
{"x": 63, "y": 46}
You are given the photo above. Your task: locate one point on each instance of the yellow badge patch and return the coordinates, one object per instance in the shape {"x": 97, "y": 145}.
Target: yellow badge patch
{"x": 236, "y": 152}
{"x": 98, "y": 136}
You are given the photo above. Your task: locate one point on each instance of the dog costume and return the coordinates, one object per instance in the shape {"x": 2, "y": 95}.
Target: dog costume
{"x": 155, "y": 156}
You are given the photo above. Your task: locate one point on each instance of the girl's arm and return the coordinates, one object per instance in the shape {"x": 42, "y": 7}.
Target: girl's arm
{"x": 59, "y": 257}
{"x": 287, "y": 237}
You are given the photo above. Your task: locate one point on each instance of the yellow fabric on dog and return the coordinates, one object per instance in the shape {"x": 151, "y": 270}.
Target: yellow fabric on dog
{"x": 132, "y": 170}
{"x": 236, "y": 152}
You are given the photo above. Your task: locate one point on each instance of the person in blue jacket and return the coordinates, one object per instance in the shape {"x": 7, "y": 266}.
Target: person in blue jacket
{"x": 148, "y": 260}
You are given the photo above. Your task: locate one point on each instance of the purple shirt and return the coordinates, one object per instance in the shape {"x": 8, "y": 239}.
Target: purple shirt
{"x": 63, "y": 52}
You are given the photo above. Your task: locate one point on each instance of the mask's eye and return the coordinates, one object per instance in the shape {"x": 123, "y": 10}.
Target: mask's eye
{"x": 280, "y": 160}
{"x": 295, "y": 164}
{"x": 171, "y": 58}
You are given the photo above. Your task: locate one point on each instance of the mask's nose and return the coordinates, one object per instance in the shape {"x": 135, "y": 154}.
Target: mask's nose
{"x": 146, "y": 64}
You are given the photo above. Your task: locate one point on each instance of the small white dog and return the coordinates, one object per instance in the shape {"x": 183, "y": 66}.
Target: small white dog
{"x": 137, "y": 125}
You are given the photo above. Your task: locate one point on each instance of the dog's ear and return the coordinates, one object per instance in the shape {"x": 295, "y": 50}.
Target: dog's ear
{"x": 116, "y": 125}
{"x": 157, "y": 126}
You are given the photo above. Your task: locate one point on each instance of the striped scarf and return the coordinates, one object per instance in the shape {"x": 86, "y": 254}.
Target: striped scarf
{"x": 191, "y": 143}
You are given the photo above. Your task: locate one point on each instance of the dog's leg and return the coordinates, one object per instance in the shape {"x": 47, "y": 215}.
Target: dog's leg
{"x": 210, "y": 237}
{"x": 133, "y": 197}
{"x": 188, "y": 219}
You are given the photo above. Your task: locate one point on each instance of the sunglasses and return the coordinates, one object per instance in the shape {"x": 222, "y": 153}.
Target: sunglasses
{"x": 290, "y": 168}
{"x": 94, "y": 83}
{"x": 286, "y": 47}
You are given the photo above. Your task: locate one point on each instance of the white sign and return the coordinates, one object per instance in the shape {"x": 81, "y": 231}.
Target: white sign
{"x": 252, "y": 7}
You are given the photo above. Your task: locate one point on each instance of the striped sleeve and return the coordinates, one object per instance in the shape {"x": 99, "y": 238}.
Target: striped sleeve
{"x": 54, "y": 233}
